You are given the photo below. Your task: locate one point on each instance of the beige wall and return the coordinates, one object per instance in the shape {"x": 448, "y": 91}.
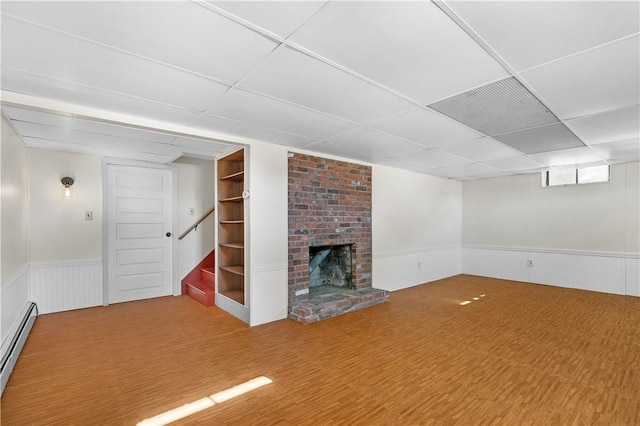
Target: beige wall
{"x": 196, "y": 186}
{"x": 59, "y": 231}
{"x": 632, "y": 208}
{"x": 14, "y": 202}
{"x": 416, "y": 227}
{"x": 516, "y": 211}
{"x": 413, "y": 211}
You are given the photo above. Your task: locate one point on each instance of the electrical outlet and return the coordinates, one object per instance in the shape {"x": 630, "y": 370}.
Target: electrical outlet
{"x": 530, "y": 263}
{"x": 88, "y": 215}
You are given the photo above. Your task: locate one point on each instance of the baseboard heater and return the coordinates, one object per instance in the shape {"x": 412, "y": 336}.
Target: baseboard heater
{"x": 12, "y": 350}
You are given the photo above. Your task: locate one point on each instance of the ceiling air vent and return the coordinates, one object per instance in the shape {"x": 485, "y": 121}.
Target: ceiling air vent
{"x": 500, "y": 107}
{"x": 553, "y": 137}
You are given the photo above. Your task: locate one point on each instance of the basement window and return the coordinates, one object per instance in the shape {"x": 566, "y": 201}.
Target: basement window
{"x": 564, "y": 176}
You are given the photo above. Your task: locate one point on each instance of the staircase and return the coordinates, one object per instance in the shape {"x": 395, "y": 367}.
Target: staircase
{"x": 200, "y": 282}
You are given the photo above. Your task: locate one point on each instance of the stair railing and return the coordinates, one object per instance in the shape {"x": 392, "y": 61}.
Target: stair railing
{"x": 195, "y": 225}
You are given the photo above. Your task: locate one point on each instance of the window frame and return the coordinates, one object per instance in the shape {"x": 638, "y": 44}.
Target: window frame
{"x": 546, "y": 177}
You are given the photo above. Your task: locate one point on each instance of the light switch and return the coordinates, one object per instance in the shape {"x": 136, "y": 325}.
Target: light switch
{"x": 88, "y": 215}
{"x": 192, "y": 211}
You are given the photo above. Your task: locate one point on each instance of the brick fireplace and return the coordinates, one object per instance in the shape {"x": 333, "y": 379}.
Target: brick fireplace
{"x": 330, "y": 234}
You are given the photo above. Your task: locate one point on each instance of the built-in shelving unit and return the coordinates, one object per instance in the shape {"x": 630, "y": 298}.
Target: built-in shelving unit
{"x": 231, "y": 229}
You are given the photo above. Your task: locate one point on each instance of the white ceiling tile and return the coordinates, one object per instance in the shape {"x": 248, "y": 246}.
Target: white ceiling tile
{"x": 38, "y": 117}
{"x": 489, "y": 175}
{"x": 178, "y": 33}
{"x": 324, "y": 147}
{"x": 172, "y": 153}
{"x": 44, "y": 87}
{"x": 466, "y": 170}
{"x": 49, "y": 119}
{"x": 86, "y": 149}
{"x": 481, "y": 149}
{"x": 401, "y": 164}
{"x": 401, "y": 45}
{"x": 165, "y": 159}
{"x": 623, "y": 151}
{"x": 441, "y": 173}
{"x": 527, "y": 33}
{"x": 608, "y": 126}
{"x": 298, "y": 78}
{"x": 243, "y": 130}
{"x": 568, "y": 157}
{"x": 515, "y": 164}
{"x": 431, "y": 158}
{"x": 201, "y": 145}
{"x": 37, "y": 50}
{"x": 599, "y": 80}
{"x": 64, "y": 134}
{"x": 279, "y": 17}
{"x": 426, "y": 128}
{"x": 373, "y": 145}
{"x": 260, "y": 110}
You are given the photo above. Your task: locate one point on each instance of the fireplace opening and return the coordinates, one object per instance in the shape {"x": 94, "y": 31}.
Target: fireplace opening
{"x": 331, "y": 266}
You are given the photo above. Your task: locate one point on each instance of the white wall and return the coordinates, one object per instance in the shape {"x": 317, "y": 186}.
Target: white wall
{"x": 65, "y": 249}
{"x": 196, "y": 188}
{"x": 59, "y": 232}
{"x": 580, "y": 236}
{"x": 14, "y": 227}
{"x": 268, "y": 235}
{"x": 417, "y": 228}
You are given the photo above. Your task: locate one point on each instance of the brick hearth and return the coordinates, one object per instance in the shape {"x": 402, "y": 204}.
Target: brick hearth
{"x": 329, "y": 204}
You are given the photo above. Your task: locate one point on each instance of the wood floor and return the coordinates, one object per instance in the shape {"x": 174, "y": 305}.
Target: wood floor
{"x": 522, "y": 354}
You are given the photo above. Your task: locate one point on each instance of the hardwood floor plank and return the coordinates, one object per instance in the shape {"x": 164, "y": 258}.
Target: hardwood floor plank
{"x": 516, "y": 354}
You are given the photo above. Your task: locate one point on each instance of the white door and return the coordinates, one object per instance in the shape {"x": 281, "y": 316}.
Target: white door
{"x": 139, "y": 209}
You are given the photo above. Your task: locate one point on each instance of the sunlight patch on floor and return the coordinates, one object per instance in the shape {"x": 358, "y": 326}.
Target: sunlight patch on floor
{"x": 466, "y": 302}
{"x": 204, "y": 403}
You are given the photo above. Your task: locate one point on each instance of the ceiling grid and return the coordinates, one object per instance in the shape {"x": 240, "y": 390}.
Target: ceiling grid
{"x": 460, "y": 90}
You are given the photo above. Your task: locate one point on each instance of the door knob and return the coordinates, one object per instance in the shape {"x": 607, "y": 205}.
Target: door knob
{"x": 168, "y": 234}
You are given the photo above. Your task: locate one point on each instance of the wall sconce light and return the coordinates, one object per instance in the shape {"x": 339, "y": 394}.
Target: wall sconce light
{"x": 67, "y": 182}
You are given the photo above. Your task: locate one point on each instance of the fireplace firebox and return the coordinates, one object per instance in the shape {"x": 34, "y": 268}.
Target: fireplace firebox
{"x": 331, "y": 266}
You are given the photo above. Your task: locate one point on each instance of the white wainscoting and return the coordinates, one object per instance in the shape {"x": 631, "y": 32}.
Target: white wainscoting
{"x": 14, "y": 296}
{"x": 605, "y": 272}
{"x": 63, "y": 286}
{"x": 633, "y": 276}
{"x": 402, "y": 269}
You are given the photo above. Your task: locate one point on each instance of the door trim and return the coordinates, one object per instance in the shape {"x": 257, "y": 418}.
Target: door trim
{"x": 105, "y": 220}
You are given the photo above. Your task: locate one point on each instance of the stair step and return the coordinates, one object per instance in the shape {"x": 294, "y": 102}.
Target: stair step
{"x": 208, "y": 275}
{"x": 201, "y": 291}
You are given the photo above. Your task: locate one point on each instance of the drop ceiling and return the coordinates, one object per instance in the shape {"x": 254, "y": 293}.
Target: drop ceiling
{"x": 460, "y": 90}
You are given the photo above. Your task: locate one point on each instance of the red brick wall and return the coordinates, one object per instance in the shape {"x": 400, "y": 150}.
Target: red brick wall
{"x": 329, "y": 203}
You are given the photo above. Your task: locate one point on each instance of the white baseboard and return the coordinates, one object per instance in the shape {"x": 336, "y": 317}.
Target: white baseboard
{"x": 607, "y": 272}
{"x": 63, "y": 286}
{"x": 231, "y": 306}
{"x": 13, "y": 344}
{"x": 402, "y": 269}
